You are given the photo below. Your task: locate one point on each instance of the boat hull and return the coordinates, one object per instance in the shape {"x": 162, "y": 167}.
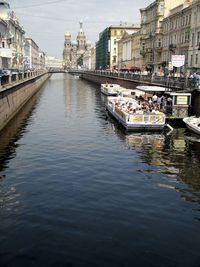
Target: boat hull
{"x": 135, "y": 126}
{"x": 192, "y": 127}
{"x": 108, "y": 94}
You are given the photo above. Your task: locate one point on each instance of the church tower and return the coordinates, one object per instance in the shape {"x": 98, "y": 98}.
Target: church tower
{"x": 81, "y": 40}
{"x": 67, "y": 51}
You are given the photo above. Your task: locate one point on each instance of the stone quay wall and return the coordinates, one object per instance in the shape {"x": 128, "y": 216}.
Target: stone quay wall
{"x": 14, "y": 96}
{"x": 99, "y": 79}
{"x": 125, "y": 81}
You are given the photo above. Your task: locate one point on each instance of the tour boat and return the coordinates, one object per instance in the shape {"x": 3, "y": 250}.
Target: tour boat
{"x": 193, "y": 124}
{"x": 110, "y": 89}
{"x": 137, "y": 120}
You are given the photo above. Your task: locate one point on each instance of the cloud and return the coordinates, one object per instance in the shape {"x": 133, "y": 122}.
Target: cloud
{"x": 46, "y": 22}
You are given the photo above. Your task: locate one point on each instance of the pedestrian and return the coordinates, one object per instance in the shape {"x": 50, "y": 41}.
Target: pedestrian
{"x": 196, "y": 80}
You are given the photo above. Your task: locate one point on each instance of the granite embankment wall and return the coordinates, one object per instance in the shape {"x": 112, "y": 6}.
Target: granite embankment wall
{"x": 99, "y": 79}
{"x": 14, "y": 96}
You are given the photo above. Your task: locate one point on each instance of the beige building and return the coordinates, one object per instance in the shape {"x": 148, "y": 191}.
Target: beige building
{"x": 93, "y": 58}
{"x": 17, "y": 38}
{"x": 87, "y": 63}
{"x": 42, "y": 58}
{"x": 176, "y": 34}
{"x": 116, "y": 33}
{"x": 129, "y": 56}
{"x": 5, "y": 51}
{"x": 194, "y": 46}
{"x": 11, "y": 39}
{"x": 52, "y": 62}
{"x": 151, "y": 32}
{"x": 32, "y": 54}
{"x": 125, "y": 51}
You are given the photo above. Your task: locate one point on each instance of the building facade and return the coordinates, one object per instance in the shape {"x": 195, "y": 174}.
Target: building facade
{"x": 5, "y": 40}
{"x": 194, "y": 45}
{"x": 107, "y": 46}
{"x": 17, "y": 39}
{"x": 87, "y": 59}
{"x": 5, "y": 51}
{"x": 129, "y": 52}
{"x": 74, "y": 50}
{"x": 151, "y": 32}
{"x": 32, "y": 54}
{"x": 52, "y": 62}
{"x": 42, "y": 58}
{"x": 177, "y": 34}
{"x": 93, "y": 58}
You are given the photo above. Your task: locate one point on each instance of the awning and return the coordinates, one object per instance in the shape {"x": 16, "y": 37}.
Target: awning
{"x": 134, "y": 68}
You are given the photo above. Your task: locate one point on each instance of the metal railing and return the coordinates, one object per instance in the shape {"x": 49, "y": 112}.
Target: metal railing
{"x": 176, "y": 83}
{"x": 9, "y": 80}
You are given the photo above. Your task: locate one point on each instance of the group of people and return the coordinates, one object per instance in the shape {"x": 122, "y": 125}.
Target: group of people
{"x": 154, "y": 105}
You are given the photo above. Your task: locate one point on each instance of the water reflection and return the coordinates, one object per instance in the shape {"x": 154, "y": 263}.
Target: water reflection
{"x": 15, "y": 130}
{"x": 176, "y": 155}
{"x": 76, "y": 182}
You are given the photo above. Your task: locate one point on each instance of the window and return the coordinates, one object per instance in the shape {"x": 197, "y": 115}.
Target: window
{"x": 193, "y": 39}
{"x": 115, "y": 33}
{"x": 143, "y": 46}
{"x": 198, "y": 38}
{"x": 115, "y": 41}
{"x": 191, "y": 60}
{"x": 196, "y": 59}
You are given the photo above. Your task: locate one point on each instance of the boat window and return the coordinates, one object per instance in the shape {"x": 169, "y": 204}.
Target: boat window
{"x": 181, "y": 100}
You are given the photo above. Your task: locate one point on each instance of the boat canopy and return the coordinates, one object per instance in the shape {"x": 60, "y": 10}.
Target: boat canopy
{"x": 146, "y": 88}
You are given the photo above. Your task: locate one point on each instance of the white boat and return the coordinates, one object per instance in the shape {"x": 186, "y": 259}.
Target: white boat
{"x": 110, "y": 89}
{"x": 193, "y": 124}
{"x": 135, "y": 119}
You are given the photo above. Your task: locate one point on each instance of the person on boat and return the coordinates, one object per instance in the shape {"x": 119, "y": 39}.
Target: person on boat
{"x": 150, "y": 101}
{"x": 139, "y": 111}
{"x": 155, "y": 98}
{"x": 159, "y": 102}
{"x": 139, "y": 105}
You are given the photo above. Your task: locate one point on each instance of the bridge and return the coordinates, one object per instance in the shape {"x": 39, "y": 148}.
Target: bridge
{"x": 57, "y": 70}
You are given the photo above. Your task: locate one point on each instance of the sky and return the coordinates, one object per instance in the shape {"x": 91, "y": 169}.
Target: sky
{"x": 46, "y": 21}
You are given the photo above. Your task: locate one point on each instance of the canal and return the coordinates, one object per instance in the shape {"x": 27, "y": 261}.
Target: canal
{"x": 76, "y": 191}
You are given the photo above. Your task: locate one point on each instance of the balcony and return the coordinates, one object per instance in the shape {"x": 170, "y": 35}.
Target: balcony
{"x": 158, "y": 48}
{"x": 142, "y": 52}
{"x": 172, "y": 47}
{"x": 149, "y": 50}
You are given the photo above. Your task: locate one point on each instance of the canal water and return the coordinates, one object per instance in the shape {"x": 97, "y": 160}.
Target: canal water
{"x": 77, "y": 191}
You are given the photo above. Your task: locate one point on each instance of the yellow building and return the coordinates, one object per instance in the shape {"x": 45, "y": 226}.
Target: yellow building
{"x": 116, "y": 33}
{"x": 151, "y": 31}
